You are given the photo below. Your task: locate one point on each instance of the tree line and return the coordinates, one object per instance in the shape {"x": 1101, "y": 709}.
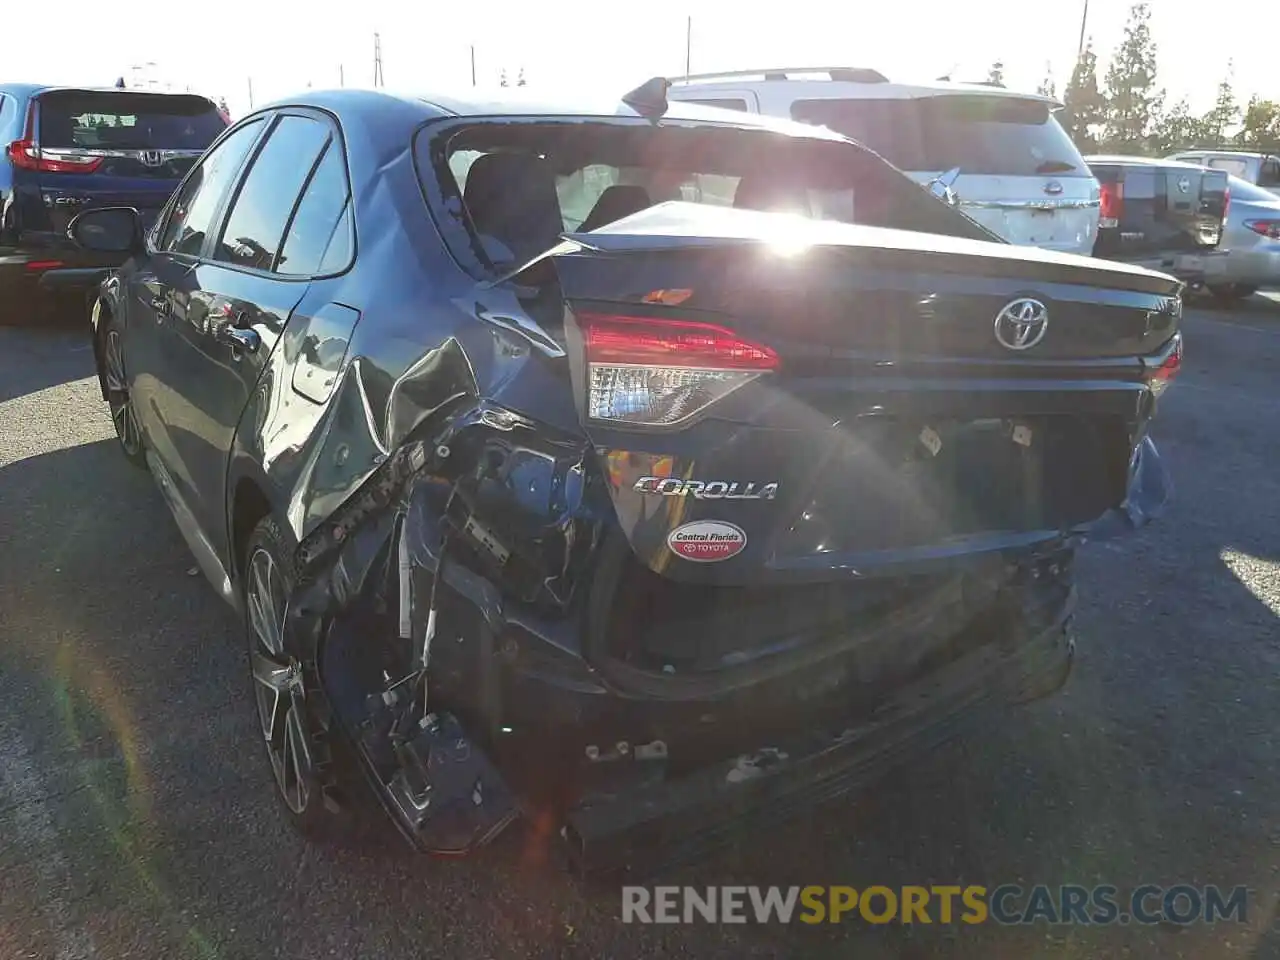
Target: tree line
{"x": 1127, "y": 111}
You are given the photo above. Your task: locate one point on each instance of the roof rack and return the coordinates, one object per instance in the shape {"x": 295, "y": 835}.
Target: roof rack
{"x": 846, "y": 74}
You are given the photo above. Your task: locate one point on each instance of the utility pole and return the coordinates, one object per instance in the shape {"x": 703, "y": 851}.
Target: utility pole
{"x": 1084, "y": 19}
{"x": 688, "y": 44}
{"x": 251, "y": 93}
{"x": 342, "y": 80}
{"x": 473, "y": 64}
{"x": 377, "y": 60}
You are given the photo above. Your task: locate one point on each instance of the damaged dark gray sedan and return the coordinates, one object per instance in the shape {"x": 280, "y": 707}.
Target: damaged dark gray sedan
{"x": 645, "y": 470}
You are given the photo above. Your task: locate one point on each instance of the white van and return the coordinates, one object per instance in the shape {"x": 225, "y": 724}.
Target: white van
{"x": 1019, "y": 174}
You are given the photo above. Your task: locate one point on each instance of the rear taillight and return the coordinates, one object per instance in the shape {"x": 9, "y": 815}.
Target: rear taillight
{"x": 1111, "y": 205}
{"x": 1265, "y": 228}
{"x": 25, "y": 154}
{"x": 661, "y": 373}
{"x": 1160, "y": 377}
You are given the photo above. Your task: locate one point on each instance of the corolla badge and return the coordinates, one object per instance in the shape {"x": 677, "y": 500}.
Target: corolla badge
{"x": 707, "y": 541}
{"x": 1022, "y": 323}
{"x": 706, "y": 489}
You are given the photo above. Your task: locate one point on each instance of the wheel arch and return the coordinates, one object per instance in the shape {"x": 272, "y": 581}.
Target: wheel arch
{"x": 249, "y": 505}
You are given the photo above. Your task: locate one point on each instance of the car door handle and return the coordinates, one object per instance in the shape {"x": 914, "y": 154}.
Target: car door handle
{"x": 160, "y": 305}
{"x": 238, "y": 335}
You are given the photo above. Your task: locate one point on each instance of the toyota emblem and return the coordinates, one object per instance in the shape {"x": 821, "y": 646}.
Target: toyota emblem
{"x": 1022, "y": 323}
{"x": 1053, "y": 188}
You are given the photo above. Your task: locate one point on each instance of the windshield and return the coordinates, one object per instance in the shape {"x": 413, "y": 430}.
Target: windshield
{"x": 1008, "y": 136}
{"x": 91, "y": 120}
{"x": 509, "y": 190}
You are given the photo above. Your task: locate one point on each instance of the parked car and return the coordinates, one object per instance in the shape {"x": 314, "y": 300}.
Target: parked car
{"x": 650, "y": 522}
{"x": 1250, "y": 242}
{"x": 70, "y": 149}
{"x": 1009, "y": 162}
{"x": 1163, "y": 214}
{"x": 1260, "y": 169}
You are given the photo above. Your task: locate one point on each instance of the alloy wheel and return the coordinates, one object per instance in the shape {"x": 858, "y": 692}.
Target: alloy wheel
{"x": 122, "y": 413}
{"x": 278, "y": 684}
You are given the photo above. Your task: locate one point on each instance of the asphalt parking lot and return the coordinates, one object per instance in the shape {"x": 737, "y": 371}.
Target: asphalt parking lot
{"x": 136, "y": 818}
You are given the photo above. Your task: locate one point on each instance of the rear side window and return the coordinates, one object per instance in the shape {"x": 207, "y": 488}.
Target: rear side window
{"x": 319, "y": 236}
{"x": 202, "y": 192}
{"x": 91, "y": 120}
{"x": 1270, "y": 175}
{"x": 256, "y": 223}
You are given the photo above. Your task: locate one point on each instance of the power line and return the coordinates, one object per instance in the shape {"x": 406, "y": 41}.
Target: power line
{"x": 377, "y": 60}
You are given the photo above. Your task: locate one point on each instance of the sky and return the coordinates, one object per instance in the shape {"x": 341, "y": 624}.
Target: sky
{"x": 278, "y": 47}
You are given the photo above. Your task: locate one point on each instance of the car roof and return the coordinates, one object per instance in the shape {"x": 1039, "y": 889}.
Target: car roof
{"x": 1211, "y": 152}
{"x": 1142, "y": 161}
{"x": 833, "y": 86}
{"x": 28, "y": 90}
{"x": 503, "y": 102}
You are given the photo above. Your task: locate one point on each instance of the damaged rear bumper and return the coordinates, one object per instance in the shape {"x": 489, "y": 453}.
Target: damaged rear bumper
{"x": 655, "y": 826}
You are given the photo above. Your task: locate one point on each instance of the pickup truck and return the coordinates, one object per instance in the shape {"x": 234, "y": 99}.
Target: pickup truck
{"x": 1162, "y": 214}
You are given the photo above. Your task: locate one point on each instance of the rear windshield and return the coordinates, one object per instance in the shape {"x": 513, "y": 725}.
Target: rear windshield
{"x": 127, "y": 121}
{"x": 1244, "y": 190}
{"x": 1007, "y": 136}
{"x": 507, "y": 190}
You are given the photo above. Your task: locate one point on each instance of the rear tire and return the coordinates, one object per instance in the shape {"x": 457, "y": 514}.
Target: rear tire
{"x": 296, "y": 749}
{"x": 116, "y": 383}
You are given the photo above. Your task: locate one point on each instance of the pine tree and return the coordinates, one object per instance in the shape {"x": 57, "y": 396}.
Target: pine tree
{"x": 1179, "y": 130}
{"x": 996, "y": 74}
{"x": 502, "y": 78}
{"x": 1260, "y": 128}
{"x": 1048, "y": 88}
{"x": 1224, "y": 114}
{"x": 1085, "y": 108}
{"x": 1133, "y": 99}
{"x": 520, "y": 78}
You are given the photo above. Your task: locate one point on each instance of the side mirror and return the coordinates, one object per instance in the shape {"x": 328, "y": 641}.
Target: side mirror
{"x": 107, "y": 230}
{"x": 941, "y": 187}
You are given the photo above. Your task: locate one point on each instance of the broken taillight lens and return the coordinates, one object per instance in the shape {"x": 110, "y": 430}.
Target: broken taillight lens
{"x": 661, "y": 373}
{"x": 1161, "y": 376}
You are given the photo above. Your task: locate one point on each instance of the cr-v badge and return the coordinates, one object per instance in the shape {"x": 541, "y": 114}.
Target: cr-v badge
{"x": 707, "y": 541}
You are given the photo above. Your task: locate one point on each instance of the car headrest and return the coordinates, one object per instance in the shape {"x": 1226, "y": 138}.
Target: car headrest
{"x": 620, "y": 200}
{"x": 769, "y": 194}
{"x": 511, "y": 197}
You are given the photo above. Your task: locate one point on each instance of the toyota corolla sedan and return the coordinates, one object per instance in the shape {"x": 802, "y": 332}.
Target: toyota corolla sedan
{"x": 635, "y": 467}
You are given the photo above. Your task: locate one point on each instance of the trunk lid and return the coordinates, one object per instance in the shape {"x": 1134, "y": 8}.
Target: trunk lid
{"x": 1149, "y": 209}
{"x": 86, "y": 149}
{"x": 867, "y": 413}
